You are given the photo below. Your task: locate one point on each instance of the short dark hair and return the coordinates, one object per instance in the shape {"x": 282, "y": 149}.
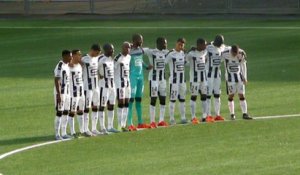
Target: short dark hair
{"x": 160, "y": 40}
{"x": 200, "y": 41}
{"x": 107, "y": 46}
{"x": 181, "y": 40}
{"x": 136, "y": 36}
{"x": 74, "y": 51}
{"x": 96, "y": 47}
{"x": 235, "y": 48}
{"x": 65, "y": 53}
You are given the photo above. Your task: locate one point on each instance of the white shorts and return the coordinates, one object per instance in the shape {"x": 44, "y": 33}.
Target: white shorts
{"x": 107, "y": 95}
{"x": 77, "y": 103}
{"x": 65, "y": 102}
{"x": 123, "y": 92}
{"x": 92, "y": 97}
{"x": 233, "y": 88}
{"x": 158, "y": 88}
{"x": 213, "y": 86}
{"x": 177, "y": 91}
{"x": 197, "y": 88}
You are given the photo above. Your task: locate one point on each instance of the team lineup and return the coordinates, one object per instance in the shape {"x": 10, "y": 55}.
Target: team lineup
{"x": 87, "y": 86}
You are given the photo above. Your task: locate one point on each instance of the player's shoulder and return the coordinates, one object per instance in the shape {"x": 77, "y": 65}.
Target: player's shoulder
{"x": 171, "y": 52}
{"x": 226, "y": 50}
{"x": 117, "y": 58}
{"x": 101, "y": 58}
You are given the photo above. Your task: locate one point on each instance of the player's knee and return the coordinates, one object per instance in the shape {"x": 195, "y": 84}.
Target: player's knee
{"x": 71, "y": 114}
{"x": 193, "y": 98}
{"x": 153, "y": 101}
{"x": 126, "y": 105}
{"x": 120, "y": 105}
{"x": 242, "y": 98}
{"x": 203, "y": 97}
{"x": 86, "y": 110}
{"x": 131, "y": 100}
{"x": 138, "y": 99}
{"x": 80, "y": 113}
{"x": 208, "y": 96}
{"x": 65, "y": 112}
{"x": 230, "y": 98}
{"x": 173, "y": 101}
{"x": 181, "y": 100}
{"x": 58, "y": 113}
{"x": 110, "y": 107}
{"x": 217, "y": 95}
{"x": 101, "y": 108}
{"x": 95, "y": 109}
{"x": 162, "y": 100}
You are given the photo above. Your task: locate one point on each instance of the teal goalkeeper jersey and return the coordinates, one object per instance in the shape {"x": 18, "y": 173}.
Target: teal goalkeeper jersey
{"x": 136, "y": 62}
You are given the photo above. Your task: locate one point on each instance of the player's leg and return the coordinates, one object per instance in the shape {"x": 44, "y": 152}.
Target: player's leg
{"x": 138, "y": 103}
{"x": 243, "y": 102}
{"x": 182, "y": 94}
{"x": 217, "y": 99}
{"x": 203, "y": 91}
{"x": 57, "y": 120}
{"x": 173, "y": 97}
{"x": 194, "y": 92}
{"x": 95, "y": 104}
{"x": 231, "y": 90}
{"x": 133, "y": 87}
{"x": 73, "y": 110}
{"x": 80, "y": 118}
{"x": 153, "y": 87}
{"x": 210, "y": 87}
{"x": 125, "y": 108}
{"x": 101, "y": 113}
{"x": 64, "y": 119}
{"x": 121, "y": 103}
{"x": 162, "y": 88}
{"x": 110, "y": 111}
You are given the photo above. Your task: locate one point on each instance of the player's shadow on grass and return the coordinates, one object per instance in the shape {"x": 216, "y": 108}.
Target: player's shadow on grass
{"x": 24, "y": 140}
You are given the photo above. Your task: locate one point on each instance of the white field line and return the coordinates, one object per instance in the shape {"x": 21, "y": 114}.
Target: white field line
{"x": 151, "y": 27}
{"x": 58, "y": 141}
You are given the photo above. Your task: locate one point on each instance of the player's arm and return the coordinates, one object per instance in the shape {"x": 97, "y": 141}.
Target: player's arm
{"x": 148, "y": 53}
{"x": 100, "y": 68}
{"x": 244, "y": 68}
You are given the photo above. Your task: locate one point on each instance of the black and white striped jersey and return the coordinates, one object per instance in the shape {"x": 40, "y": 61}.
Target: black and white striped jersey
{"x": 106, "y": 71}
{"x": 90, "y": 72}
{"x": 62, "y": 71}
{"x": 122, "y": 65}
{"x": 76, "y": 80}
{"x": 157, "y": 60}
{"x": 176, "y": 61}
{"x": 236, "y": 69}
{"x": 196, "y": 60}
{"x": 213, "y": 61}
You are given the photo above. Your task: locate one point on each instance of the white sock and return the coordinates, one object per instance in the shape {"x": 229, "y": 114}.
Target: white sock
{"x": 152, "y": 113}
{"x": 231, "y": 106}
{"x": 110, "y": 119}
{"x": 64, "y": 123}
{"x": 94, "y": 120}
{"x": 204, "y": 108}
{"x": 57, "y": 124}
{"x": 193, "y": 108}
{"x": 243, "y": 104}
{"x": 182, "y": 110}
{"x": 124, "y": 118}
{"x": 80, "y": 123}
{"x": 120, "y": 117}
{"x": 208, "y": 103}
{"x": 162, "y": 113}
{"x": 101, "y": 117}
{"x": 217, "y": 106}
{"x": 71, "y": 124}
{"x": 86, "y": 119}
{"x": 171, "y": 110}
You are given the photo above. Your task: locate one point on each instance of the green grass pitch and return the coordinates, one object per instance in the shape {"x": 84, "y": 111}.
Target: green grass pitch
{"x": 265, "y": 147}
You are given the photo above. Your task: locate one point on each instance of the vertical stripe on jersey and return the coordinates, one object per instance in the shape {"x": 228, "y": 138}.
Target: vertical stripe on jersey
{"x": 160, "y": 75}
{"x": 181, "y": 77}
{"x": 202, "y": 76}
{"x": 216, "y": 72}
{"x": 101, "y": 91}
{"x": 63, "y": 84}
{"x": 174, "y": 73}
{"x": 74, "y": 86}
{"x": 122, "y": 76}
{"x": 89, "y": 80}
{"x": 154, "y": 70}
{"x": 209, "y": 64}
{"x": 195, "y": 72}
{"x": 236, "y": 77}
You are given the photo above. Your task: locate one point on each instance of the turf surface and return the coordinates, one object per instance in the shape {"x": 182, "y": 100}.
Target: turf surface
{"x": 29, "y": 55}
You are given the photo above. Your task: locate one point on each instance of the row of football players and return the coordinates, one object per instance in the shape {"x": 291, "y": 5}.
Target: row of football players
{"x": 95, "y": 80}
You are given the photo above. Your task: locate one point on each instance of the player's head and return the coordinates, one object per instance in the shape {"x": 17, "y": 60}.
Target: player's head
{"x": 95, "y": 50}
{"x": 126, "y": 48}
{"x": 219, "y": 40}
{"x": 180, "y": 44}
{"x": 76, "y": 55}
{"x": 66, "y": 55}
{"x": 108, "y": 49}
{"x": 161, "y": 43}
{"x": 201, "y": 44}
{"x": 234, "y": 50}
{"x": 137, "y": 40}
